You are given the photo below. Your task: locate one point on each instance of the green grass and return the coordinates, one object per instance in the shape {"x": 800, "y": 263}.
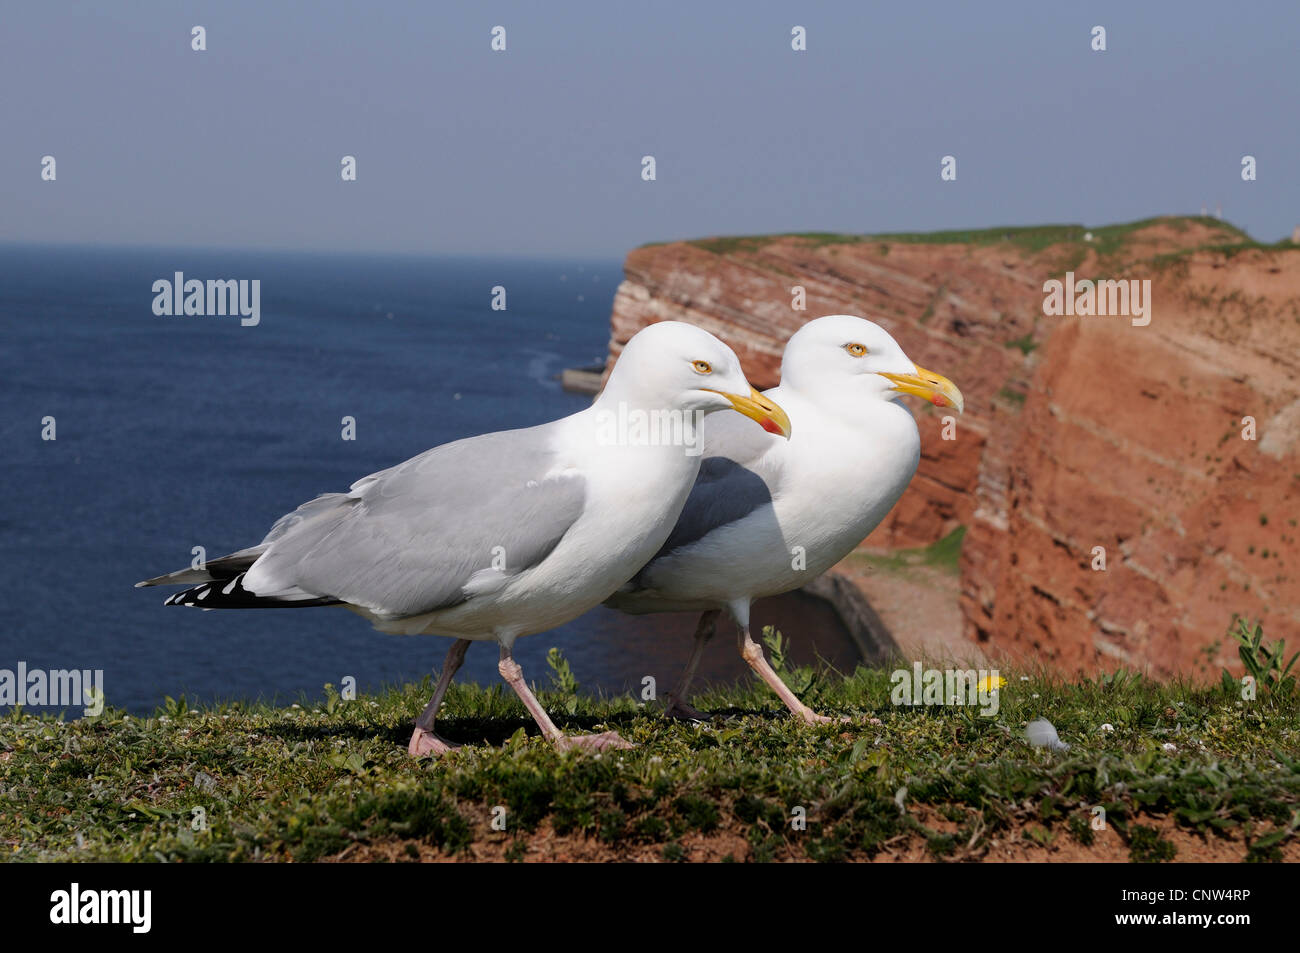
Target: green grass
{"x": 307, "y": 783}
{"x": 818, "y": 239}
{"x": 943, "y": 555}
{"x": 744, "y": 244}
{"x": 1029, "y": 238}
{"x": 1107, "y": 240}
{"x": 1110, "y": 239}
{"x": 1013, "y": 396}
{"x": 1026, "y": 344}
{"x": 735, "y": 244}
{"x": 1226, "y": 250}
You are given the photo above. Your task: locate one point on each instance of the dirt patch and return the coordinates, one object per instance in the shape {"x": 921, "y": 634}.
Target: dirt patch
{"x": 545, "y": 846}
{"x": 1018, "y": 845}
{"x": 1011, "y": 846}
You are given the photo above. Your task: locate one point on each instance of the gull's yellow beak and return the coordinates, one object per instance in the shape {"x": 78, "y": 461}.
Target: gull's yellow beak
{"x": 757, "y": 407}
{"x": 935, "y": 388}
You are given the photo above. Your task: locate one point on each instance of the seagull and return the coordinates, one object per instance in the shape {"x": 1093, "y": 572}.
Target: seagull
{"x": 766, "y": 516}
{"x": 505, "y": 534}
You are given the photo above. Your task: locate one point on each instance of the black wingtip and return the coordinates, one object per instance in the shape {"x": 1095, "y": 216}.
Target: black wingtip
{"x": 231, "y": 594}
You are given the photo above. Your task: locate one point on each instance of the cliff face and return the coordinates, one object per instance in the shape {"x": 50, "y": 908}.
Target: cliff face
{"x": 1133, "y": 439}
{"x": 1078, "y": 432}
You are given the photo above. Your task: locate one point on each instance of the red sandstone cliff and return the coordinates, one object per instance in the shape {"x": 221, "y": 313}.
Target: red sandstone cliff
{"x": 1078, "y": 432}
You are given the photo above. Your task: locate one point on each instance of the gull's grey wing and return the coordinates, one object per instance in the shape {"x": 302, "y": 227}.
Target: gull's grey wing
{"x": 736, "y": 478}
{"x": 724, "y": 492}
{"x": 429, "y": 533}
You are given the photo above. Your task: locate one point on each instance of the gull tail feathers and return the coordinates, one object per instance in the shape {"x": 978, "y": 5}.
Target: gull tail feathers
{"x": 227, "y": 567}
{"x": 231, "y": 594}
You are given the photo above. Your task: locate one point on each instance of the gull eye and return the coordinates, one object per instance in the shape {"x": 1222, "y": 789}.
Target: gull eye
{"x": 702, "y": 367}
{"x": 857, "y": 350}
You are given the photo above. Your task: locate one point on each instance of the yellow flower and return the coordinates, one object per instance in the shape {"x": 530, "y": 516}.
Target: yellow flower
{"x": 991, "y": 683}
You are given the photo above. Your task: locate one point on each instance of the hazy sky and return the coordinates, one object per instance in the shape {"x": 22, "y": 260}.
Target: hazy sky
{"x": 537, "y": 150}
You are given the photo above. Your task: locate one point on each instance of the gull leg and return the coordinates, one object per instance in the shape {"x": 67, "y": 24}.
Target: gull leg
{"x": 675, "y": 704}
{"x": 514, "y": 677}
{"x": 752, "y": 653}
{"x": 423, "y": 739}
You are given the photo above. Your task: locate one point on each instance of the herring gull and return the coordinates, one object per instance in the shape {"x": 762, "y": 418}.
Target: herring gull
{"x": 505, "y": 534}
{"x": 767, "y": 516}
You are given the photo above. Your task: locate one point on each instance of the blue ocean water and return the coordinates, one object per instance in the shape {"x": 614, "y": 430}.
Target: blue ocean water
{"x": 181, "y": 431}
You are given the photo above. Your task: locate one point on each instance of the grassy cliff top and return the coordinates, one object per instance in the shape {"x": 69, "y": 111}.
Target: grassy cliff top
{"x": 1107, "y": 240}
{"x": 1185, "y": 771}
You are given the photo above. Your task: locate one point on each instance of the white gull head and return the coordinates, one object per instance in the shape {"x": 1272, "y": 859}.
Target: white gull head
{"x": 678, "y": 367}
{"x": 848, "y": 359}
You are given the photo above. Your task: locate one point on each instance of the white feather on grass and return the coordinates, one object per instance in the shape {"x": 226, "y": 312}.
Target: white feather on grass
{"x": 1042, "y": 734}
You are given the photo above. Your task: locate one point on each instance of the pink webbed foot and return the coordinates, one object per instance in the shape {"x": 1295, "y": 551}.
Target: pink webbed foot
{"x": 425, "y": 743}
{"x": 811, "y": 717}
{"x": 604, "y": 741}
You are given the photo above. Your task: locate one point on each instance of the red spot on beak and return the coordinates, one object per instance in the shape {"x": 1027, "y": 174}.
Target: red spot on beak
{"x": 939, "y": 400}
{"x": 770, "y": 425}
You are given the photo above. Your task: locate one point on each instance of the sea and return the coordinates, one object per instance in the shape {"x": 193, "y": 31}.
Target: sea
{"x": 178, "y": 431}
